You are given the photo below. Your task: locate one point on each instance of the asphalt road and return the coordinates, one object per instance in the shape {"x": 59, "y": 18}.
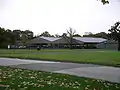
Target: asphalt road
{"x": 111, "y": 74}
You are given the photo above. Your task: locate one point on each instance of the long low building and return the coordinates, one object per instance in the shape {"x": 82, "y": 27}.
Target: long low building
{"x": 77, "y": 42}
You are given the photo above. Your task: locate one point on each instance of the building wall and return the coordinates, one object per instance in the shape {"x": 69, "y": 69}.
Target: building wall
{"x": 101, "y": 46}
{"x": 111, "y": 46}
{"x": 107, "y": 46}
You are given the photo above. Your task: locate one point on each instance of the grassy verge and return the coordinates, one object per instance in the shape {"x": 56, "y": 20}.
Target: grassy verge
{"x": 104, "y": 57}
{"x": 21, "y": 79}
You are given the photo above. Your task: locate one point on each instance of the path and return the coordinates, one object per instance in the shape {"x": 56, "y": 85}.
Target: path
{"x": 108, "y": 73}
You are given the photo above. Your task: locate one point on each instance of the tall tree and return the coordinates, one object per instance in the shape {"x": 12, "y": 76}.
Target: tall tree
{"x": 2, "y": 36}
{"x": 6, "y": 38}
{"x": 10, "y": 37}
{"x": 26, "y": 36}
{"x": 22, "y": 36}
{"x": 71, "y": 33}
{"x": 115, "y": 33}
{"x": 17, "y": 34}
{"x": 29, "y": 34}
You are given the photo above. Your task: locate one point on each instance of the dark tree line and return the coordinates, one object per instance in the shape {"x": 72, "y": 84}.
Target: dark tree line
{"x": 47, "y": 34}
{"x": 6, "y": 37}
{"x": 9, "y": 37}
{"x": 98, "y": 35}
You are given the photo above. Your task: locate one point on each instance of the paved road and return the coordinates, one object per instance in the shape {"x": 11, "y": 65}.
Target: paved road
{"x": 16, "y": 61}
{"x": 85, "y": 70}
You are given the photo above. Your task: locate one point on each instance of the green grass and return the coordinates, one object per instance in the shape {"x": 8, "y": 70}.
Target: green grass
{"x": 21, "y": 79}
{"x": 105, "y": 57}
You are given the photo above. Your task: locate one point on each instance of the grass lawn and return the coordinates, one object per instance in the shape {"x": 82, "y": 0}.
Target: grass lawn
{"x": 105, "y": 57}
{"x": 21, "y": 79}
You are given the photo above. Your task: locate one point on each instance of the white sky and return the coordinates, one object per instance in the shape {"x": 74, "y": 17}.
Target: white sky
{"x": 55, "y": 16}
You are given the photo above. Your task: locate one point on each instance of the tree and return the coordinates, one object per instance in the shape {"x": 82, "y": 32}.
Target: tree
{"x": 88, "y": 34}
{"x": 45, "y": 34}
{"x": 76, "y": 35}
{"x": 104, "y": 1}
{"x": 10, "y": 37}
{"x": 17, "y": 34}
{"x": 64, "y": 35}
{"x": 115, "y": 33}
{"x": 2, "y": 37}
{"x": 70, "y": 33}
{"x": 101, "y": 35}
{"x": 57, "y": 35}
{"x": 29, "y": 34}
{"x": 6, "y": 38}
{"x": 26, "y": 36}
{"x": 22, "y": 36}
{"x": 98, "y": 35}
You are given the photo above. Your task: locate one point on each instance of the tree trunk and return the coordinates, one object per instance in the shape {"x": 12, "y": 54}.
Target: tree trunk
{"x": 119, "y": 45}
{"x": 71, "y": 42}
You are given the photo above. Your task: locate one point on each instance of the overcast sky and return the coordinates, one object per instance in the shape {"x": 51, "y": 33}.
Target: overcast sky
{"x": 55, "y": 16}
